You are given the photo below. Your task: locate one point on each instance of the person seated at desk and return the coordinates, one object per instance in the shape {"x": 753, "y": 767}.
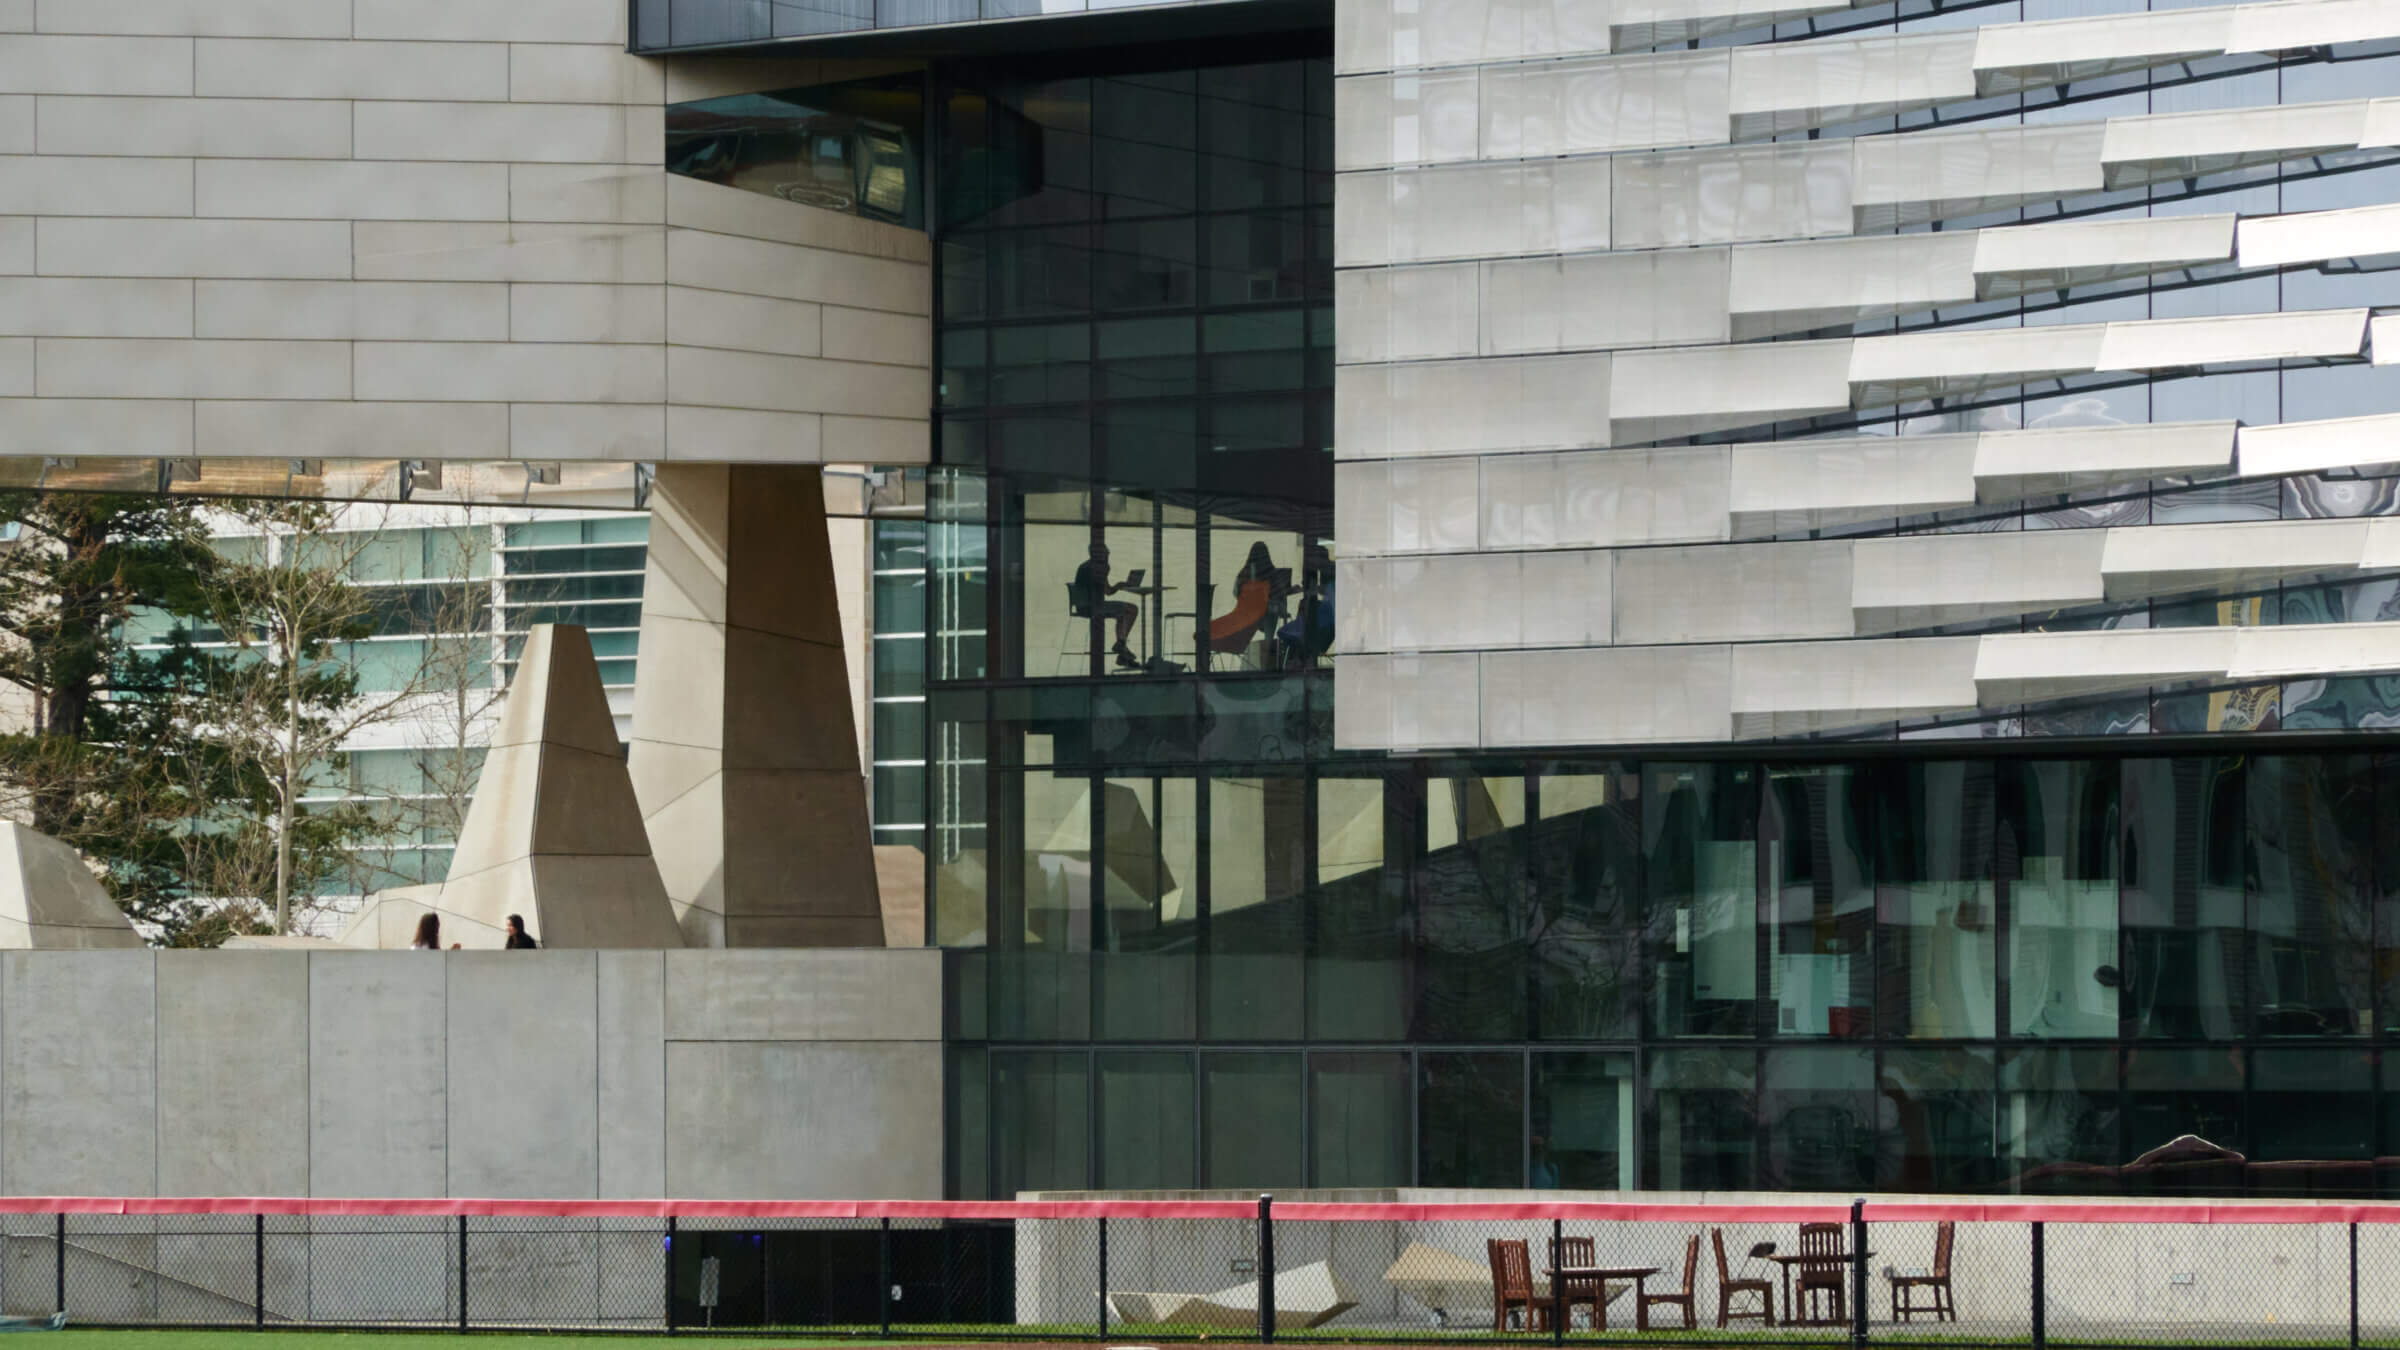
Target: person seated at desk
{"x": 1088, "y": 598}
{"x": 1256, "y": 591}
{"x": 1310, "y": 635}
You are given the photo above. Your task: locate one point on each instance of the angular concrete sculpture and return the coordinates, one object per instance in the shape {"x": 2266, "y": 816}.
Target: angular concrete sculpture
{"x": 554, "y": 833}
{"x": 1305, "y": 1297}
{"x": 49, "y": 898}
{"x": 744, "y": 753}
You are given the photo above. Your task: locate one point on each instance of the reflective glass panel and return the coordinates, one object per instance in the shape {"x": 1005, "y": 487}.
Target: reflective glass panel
{"x": 1818, "y": 836}
{"x": 1253, "y": 1121}
{"x": 1587, "y": 882}
{"x": 1041, "y": 1135}
{"x": 2057, "y": 851}
{"x": 1583, "y": 1122}
{"x": 1471, "y": 1120}
{"x": 1147, "y": 1117}
{"x": 1701, "y": 1120}
{"x": 1360, "y": 1120}
{"x": 1700, "y": 881}
{"x": 2184, "y": 865}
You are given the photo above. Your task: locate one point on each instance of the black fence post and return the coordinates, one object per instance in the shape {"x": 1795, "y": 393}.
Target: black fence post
{"x": 258, "y": 1270}
{"x": 2354, "y": 1287}
{"x": 1266, "y": 1269}
{"x": 670, "y": 1274}
{"x": 462, "y": 1273}
{"x": 59, "y": 1275}
{"x": 1102, "y": 1334}
{"x": 1858, "y": 1272}
{"x": 2041, "y": 1299}
{"x": 883, "y": 1258}
{"x": 1558, "y": 1287}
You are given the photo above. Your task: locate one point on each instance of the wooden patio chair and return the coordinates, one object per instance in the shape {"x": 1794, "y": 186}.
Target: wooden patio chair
{"x": 1942, "y": 1305}
{"x": 1728, "y": 1287}
{"x": 1685, "y": 1300}
{"x": 1512, "y": 1286}
{"x": 1575, "y": 1251}
{"x": 1825, "y": 1281}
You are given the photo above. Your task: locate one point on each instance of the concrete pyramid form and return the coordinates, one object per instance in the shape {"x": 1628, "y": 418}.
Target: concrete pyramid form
{"x": 553, "y": 834}
{"x": 49, "y": 898}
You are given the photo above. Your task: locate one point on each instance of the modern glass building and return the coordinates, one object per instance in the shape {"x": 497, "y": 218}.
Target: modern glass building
{"x": 1852, "y": 543}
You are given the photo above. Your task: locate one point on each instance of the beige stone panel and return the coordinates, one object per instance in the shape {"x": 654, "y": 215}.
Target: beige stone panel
{"x": 779, "y": 577}
{"x": 126, "y": 247}
{"x": 767, "y": 726}
{"x": 667, "y": 773}
{"x": 587, "y": 193}
{"x": 392, "y": 311}
{"x": 877, "y": 440}
{"x": 550, "y": 72}
{"x": 726, "y": 262}
{"x": 483, "y": 21}
{"x": 16, "y": 367}
{"x": 166, "y": 368}
{"x": 195, "y": 18}
{"x": 512, "y": 372}
{"x": 871, "y": 335}
{"x": 453, "y": 71}
{"x": 67, "y": 185}
{"x": 750, "y": 323}
{"x": 159, "y": 427}
{"x": 688, "y": 545}
{"x": 608, "y": 903}
{"x": 680, "y": 697}
{"x": 797, "y": 847}
{"x": 285, "y": 189}
{"x": 717, "y": 209}
{"x": 46, "y": 64}
{"x": 573, "y": 313}
{"x": 499, "y": 826}
{"x": 16, "y": 124}
{"x": 689, "y": 848}
{"x": 534, "y": 133}
{"x": 354, "y": 430}
{"x": 408, "y": 251}
{"x": 723, "y": 379}
{"x": 16, "y": 16}
{"x": 16, "y": 246}
{"x": 228, "y": 128}
{"x": 585, "y": 804}
{"x": 742, "y": 436}
{"x": 572, "y": 431}
{"x": 95, "y": 307}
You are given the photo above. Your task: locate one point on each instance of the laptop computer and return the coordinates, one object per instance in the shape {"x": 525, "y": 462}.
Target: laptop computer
{"x": 1134, "y": 578}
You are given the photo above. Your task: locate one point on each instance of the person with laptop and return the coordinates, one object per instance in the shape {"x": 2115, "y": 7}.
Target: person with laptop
{"x": 1088, "y": 598}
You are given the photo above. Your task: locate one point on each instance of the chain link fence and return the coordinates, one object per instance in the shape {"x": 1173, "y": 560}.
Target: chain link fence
{"x": 1966, "y": 1273}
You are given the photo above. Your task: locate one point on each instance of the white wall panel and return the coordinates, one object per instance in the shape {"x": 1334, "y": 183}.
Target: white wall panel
{"x": 56, "y": 64}
{"x": 1470, "y": 602}
{"x": 68, "y": 185}
{"x": 2232, "y": 339}
{"x": 158, "y": 368}
{"x": 351, "y": 430}
{"x": 2148, "y": 148}
{"x": 1920, "y": 580}
{"x": 542, "y": 133}
{"x": 1382, "y": 120}
{"x": 342, "y": 310}
{"x": 2307, "y": 447}
{"x": 1933, "y": 175}
{"x": 226, "y": 128}
{"x": 70, "y": 246}
{"x": 1789, "y": 86}
{"x": 476, "y": 372}
{"x": 1801, "y": 484}
{"x": 99, "y": 427}
{"x": 1784, "y": 288}
{"x": 1730, "y": 592}
{"x": 1730, "y": 195}
{"x": 450, "y": 71}
{"x": 415, "y": 251}
{"x": 1450, "y": 407}
{"x": 1433, "y": 506}
{"x": 1617, "y": 103}
{"x": 1606, "y": 696}
{"x": 2014, "y": 56}
{"x": 95, "y": 307}
{"x": 1604, "y": 300}
{"x": 283, "y": 189}
{"x": 1406, "y": 314}
{"x": 587, "y": 313}
{"x": 201, "y": 18}
{"x": 479, "y": 21}
{"x": 2318, "y": 236}
{"x": 1886, "y": 678}
{"x": 1683, "y": 391}
{"x": 2298, "y": 24}
{"x": 1482, "y": 210}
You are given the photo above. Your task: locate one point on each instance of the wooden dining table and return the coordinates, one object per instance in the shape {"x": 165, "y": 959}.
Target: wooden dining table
{"x": 1787, "y": 1260}
{"x": 1563, "y": 1279}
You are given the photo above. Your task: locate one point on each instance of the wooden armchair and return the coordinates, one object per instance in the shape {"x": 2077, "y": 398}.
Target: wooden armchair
{"x": 1685, "y": 1300}
{"x": 1512, "y": 1286}
{"x": 1728, "y": 1287}
{"x": 1824, "y": 1282}
{"x": 1940, "y": 1304}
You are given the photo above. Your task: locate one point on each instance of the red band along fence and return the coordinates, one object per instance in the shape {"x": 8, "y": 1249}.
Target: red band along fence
{"x": 1954, "y": 1271}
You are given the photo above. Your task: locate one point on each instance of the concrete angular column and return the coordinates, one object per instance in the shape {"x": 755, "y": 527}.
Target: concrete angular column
{"x": 554, "y": 833}
{"x": 50, "y": 899}
{"x": 745, "y": 756}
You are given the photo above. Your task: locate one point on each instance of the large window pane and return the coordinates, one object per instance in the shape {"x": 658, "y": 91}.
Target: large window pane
{"x": 1818, "y": 1107}
{"x": 2170, "y": 1093}
{"x": 1702, "y": 1120}
{"x": 1700, "y": 869}
{"x": 1587, "y": 883}
{"x": 1472, "y": 909}
{"x": 1041, "y": 1135}
{"x": 2311, "y": 827}
{"x": 1817, "y": 830}
{"x": 1358, "y": 968}
{"x": 2312, "y": 1106}
{"x": 1471, "y": 1120}
{"x": 1257, "y": 837}
{"x": 2061, "y": 1116}
{"x": 1582, "y": 1123}
{"x": 1936, "y": 905}
{"x": 1147, "y": 1115}
{"x": 2057, "y": 847}
{"x": 1359, "y": 1120}
{"x": 2184, "y": 895}
{"x": 1937, "y": 1122}
{"x": 1151, "y": 888}
{"x": 1254, "y": 1121}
